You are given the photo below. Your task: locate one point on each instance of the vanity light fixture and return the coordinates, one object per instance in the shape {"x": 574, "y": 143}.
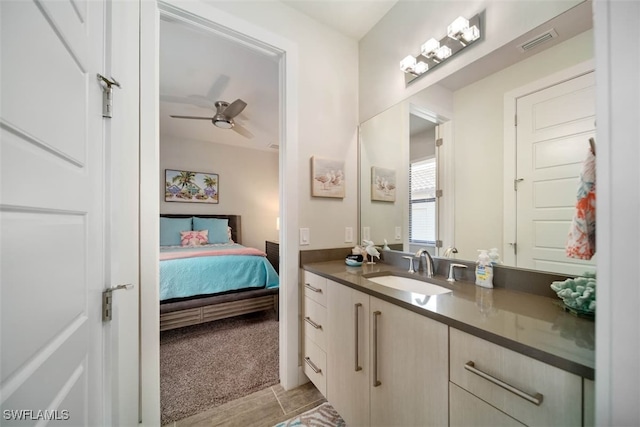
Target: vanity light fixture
{"x": 460, "y": 34}
{"x": 461, "y": 31}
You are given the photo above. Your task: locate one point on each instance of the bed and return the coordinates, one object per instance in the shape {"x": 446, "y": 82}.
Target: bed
{"x": 216, "y": 278}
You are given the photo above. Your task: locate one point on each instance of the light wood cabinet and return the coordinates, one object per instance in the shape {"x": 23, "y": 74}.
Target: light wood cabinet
{"x": 409, "y": 355}
{"x": 385, "y": 365}
{"x": 467, "y": 410}
{"x": 348, "y": 353}
{"x": 314, "y": 319}
{"x": 526, "y": 389}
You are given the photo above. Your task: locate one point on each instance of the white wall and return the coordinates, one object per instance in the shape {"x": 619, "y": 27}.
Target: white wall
{"x": 327, "y": 111}
{"x": 478, "y": 142}
{"x": 408, "y": 24}
{"x": 247, "y": 184}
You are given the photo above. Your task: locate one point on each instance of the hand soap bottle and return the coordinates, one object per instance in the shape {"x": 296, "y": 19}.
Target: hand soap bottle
{"x": 484, "y": 270}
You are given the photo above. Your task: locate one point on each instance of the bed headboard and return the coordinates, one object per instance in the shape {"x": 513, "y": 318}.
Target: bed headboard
{"x": 234, "y": 223}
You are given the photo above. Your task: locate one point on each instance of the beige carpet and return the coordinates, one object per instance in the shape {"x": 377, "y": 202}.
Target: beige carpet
{"x": 204, "y": 366}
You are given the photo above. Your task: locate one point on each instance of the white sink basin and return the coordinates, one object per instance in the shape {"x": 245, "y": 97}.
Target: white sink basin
{"x": 409, "y": 285}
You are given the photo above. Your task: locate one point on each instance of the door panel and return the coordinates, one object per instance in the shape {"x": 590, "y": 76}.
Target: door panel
{"x": 554, "y": 127}
{"x": 51, "y": 208}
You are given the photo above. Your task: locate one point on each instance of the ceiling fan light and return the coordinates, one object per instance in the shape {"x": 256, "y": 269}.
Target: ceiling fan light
{"x": 222, "y": 122}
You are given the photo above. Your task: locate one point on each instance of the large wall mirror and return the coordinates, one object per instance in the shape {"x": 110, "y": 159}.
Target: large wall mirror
{"x": 503, "y": 185}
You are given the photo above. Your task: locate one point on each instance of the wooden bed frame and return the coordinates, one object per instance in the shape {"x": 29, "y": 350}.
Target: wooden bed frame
{"x": 180, "y": 312}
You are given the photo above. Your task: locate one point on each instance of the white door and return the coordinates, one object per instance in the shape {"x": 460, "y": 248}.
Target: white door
{"x": 553, "y": 131}
{"x": 54, "y": 179}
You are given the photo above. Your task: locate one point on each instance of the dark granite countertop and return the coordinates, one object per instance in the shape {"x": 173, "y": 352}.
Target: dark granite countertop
{"x": 533, "y": 325}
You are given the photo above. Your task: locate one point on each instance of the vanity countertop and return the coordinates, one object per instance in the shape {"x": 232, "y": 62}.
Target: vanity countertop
{"x": 533, "y": 325}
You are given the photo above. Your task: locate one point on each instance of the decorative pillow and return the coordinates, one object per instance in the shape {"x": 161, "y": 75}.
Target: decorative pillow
{"x": 217, "y": 227}
{"x": 194, "y": 238}
{"x": 170, "y": 229}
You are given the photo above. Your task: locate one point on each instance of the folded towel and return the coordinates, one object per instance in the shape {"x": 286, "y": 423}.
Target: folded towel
{"x": 581, "y": 242}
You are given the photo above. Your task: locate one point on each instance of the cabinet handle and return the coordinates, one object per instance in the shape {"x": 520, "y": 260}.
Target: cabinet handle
{"x": 376, "y": 381}
{"x": 358, "y": 367}
{"x": 312, "y": 365}
{"x": 312, "y": 323}
{"x": 535, "y": 399}
{"x": 308, "y": 286}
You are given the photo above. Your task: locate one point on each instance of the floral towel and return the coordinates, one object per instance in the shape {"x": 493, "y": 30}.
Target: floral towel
{"x": 581, "y": 241}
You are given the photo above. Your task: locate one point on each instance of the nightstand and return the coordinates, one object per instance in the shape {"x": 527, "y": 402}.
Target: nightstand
{"x": 273, "y": 254}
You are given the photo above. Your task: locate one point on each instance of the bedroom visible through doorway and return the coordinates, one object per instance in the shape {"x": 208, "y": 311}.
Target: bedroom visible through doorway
{"x": 219, "y": 134}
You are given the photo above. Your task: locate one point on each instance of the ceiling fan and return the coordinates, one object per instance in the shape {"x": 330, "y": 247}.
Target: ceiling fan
{"x": 224, "y": 116}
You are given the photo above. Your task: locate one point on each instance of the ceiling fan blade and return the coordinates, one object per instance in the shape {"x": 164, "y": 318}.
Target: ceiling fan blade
{"x": 217, "y": 88}
{"x": 192, "y": 117}
{"x": 235, "y": 108}
{"x": 189, "y": 100}
{"x": 242, "y": 130}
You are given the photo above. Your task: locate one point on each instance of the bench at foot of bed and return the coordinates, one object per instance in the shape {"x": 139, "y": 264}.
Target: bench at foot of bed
{"x": 206, "y": 309}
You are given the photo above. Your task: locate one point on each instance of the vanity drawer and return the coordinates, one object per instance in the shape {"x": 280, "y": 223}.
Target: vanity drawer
{"x": 465, "y": 409}
{"x": 540, "y": 394}
{"x": 315, "y": 287}
{"x": 314, "y": 365}
{"x": 315, "y": 322}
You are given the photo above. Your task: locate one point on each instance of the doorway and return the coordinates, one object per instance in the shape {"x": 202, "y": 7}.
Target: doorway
{"x": 286, "y": 52}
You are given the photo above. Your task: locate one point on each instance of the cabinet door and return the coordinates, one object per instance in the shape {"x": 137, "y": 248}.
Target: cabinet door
{"x": 410, "y": 368}
{"x": 348, "y": 353}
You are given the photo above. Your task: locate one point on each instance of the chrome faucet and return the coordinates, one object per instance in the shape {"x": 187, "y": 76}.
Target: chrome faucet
{"x": 428, "y": 261}
{"x": 449, "y": 251}
{"x": 451, "y": 277}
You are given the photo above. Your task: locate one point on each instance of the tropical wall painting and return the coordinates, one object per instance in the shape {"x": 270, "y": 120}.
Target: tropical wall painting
{"x": 327, "y": 178}
{"x": 185, "y": 186}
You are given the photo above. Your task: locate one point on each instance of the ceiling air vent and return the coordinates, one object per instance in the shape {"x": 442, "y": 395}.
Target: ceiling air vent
{"x": 538, "y": 40}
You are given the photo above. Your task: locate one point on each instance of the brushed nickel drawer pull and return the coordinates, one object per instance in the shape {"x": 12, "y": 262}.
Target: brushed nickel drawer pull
{"x": 376, "y": 381}
{"x": 308, "y": 286}
{"x": 312, "y": 323}
{"x": 312, "y": 365}
{"x": 535, "y": 399}
{"x": 358, "y": 367}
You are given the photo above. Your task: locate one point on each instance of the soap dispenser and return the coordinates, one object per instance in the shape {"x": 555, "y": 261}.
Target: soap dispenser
{"x": 484, "y": 270}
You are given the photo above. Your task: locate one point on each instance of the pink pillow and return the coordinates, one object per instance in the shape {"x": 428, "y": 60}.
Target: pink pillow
{"x": 194, "y": 238}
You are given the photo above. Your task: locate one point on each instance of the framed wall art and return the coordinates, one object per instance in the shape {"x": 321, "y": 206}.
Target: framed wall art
{"x": 383, "y": 184}
{"x": 193, "y": 187}
{"x": 327, "y": 178}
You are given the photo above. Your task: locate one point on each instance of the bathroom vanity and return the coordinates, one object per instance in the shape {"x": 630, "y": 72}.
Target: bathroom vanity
{"x": 472, "y": 356}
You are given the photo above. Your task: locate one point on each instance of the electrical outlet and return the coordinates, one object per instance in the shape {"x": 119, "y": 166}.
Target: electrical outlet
{"x": 348, "y": 235}
{"x": 304, "y": 236}
{"x": 398, "y": 233}
{"x": 366, "y": 233}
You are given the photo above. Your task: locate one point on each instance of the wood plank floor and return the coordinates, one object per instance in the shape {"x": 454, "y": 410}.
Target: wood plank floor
{"x": 263, "y": 408}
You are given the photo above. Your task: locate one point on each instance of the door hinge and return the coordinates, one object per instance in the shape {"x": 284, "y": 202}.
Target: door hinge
{"x": 438, "y": 193}
{"x": 107, "y": 300}
{"x": 515, "y": 183}
{"x": 107, "y": 94}
{"x": 438, "y": 243}
{"x": 438, "y": 142}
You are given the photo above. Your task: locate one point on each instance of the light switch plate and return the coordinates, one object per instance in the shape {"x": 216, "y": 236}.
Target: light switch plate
{"x": 398, "y": 233}
{"x": 348, "y": 235}
{"x": 304, "y": 236}
{"x": 366, "y": 233}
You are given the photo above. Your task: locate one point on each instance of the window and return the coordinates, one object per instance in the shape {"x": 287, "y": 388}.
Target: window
{"x": 422, "y": 205}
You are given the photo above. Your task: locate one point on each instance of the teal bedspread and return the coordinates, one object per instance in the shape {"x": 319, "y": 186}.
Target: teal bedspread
{"x": 202, "y": 275}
